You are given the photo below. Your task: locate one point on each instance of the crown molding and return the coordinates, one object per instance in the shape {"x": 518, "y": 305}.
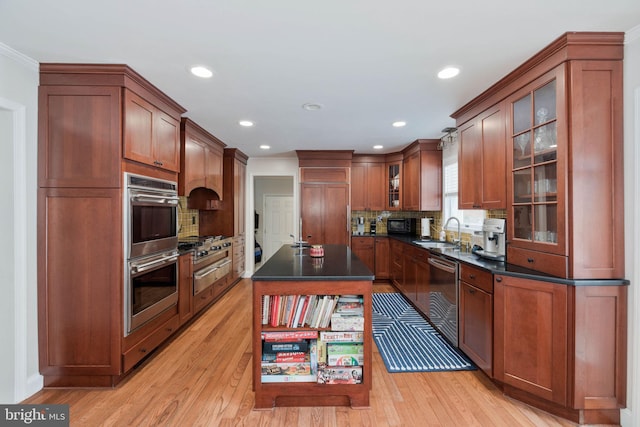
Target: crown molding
{"x": 18, "y": 57}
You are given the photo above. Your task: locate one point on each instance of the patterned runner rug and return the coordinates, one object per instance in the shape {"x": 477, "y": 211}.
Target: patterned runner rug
{"x": 407, "y": 342}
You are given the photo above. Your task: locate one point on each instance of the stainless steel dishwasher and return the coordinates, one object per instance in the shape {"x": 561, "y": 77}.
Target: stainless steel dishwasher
{"x": 443, "y": 296}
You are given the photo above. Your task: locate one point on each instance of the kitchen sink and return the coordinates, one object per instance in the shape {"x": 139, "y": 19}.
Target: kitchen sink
{"x": 429, "y": 244}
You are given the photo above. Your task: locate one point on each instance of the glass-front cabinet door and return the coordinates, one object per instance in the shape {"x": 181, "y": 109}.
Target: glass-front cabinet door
{"x": 536, "y": 220}
{"x": 394, "y": 184}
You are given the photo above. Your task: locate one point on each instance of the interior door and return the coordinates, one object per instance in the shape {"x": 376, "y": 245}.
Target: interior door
{"x": 278, "y": 224}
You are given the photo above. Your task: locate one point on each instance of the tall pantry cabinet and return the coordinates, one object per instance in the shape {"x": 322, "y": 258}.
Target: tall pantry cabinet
{"x": 95, "y": 123}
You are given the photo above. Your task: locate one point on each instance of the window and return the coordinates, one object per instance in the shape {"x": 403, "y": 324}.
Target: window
{"x": 470, "y": 219}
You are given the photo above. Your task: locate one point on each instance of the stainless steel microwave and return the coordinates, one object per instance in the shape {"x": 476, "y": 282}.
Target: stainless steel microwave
{"x": 401, "y": 225}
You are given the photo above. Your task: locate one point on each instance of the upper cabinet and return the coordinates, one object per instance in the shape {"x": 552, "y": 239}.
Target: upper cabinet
{"x": 151, "y": 136}
{"x": 201, "y": 159}
{"x": 422, "y": 176}
{"x": 563, "y": 115}
{"x": 482, "y": 179}
{"x": 367, "y": 183}
{"x": 393, "y": 181}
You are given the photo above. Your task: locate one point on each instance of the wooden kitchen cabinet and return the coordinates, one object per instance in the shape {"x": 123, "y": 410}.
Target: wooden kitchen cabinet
{"x": 422, "y": 279}
{"x": 201, "y": 160}
{"x": 65, "y": 159}
{"x": 564, "y": 133}
{"x": 151, "y": 136}
{"x": 396, "y": 263}
{"x": 86, "y": 119}
{"x": 374, "y": 253}
{"x": 229, "y": 219}
{"x": 476, "y": 316}
{"x": 394, "y": 181}
{"x": 368, "y": 183}
{"x": 382, "y": 258}
{"x": 364, "y": 248}
{"x": 79, "y": 285}
{"x": 562, "y": 347}
{"x": 482, "y": 179}
{"x": 566, "y": 160}
{"x": 422, "y": 176}
{"x": 531, "y": 336}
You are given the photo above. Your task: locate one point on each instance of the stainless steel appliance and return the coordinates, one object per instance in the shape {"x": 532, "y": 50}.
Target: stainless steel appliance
{"x": 360, "y": 225}
{"x": 401, "y": 226}
{"x": 493, "y": 230}
{"x": 211, "y": 260}
{"x": 151, "y": 286}
{"x": 150, "y": 215}
{"x": 443, "y": 296}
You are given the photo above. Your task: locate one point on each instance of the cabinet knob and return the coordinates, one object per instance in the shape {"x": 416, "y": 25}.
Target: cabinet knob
{"x": 498, "y": 279}
{"x": 143, "y": 350}
{"x": 472, "y": 291}
{"x": 530, "y": 260}
{"x": 472, "y": 276}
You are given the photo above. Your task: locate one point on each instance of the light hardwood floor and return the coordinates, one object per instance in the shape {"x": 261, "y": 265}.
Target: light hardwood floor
{"x": 203, "y": 378}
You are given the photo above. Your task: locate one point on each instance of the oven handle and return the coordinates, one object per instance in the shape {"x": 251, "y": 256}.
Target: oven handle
{"x": 442, "y": 265}
{"x": 206, "y": 272}
{"x": 168, "y": 200}
{"x": 139, "y": 268}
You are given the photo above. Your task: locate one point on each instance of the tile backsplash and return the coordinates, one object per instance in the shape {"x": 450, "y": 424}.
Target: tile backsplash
{"x": 188, "y": 220}
{"x": 436, "y": 222}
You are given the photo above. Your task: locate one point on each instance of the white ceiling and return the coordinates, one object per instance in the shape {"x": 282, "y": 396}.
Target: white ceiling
{"x": 367, "y": 62}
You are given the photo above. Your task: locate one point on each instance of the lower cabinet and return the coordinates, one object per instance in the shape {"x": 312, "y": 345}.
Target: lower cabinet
{"x": 476, "y": 316}
{"x": 374, "y": 253}
{"x": 396, "y": 263}
{"x": 562, "y": 347}
{"x": 185, "y": 288}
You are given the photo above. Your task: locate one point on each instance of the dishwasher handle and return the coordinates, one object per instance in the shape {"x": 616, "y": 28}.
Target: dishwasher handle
{"x": 442, "y": 265}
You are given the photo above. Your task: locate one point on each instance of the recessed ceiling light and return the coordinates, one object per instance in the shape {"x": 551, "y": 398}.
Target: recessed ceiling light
{"x": 378, "y": 147}
{"x": 398, "y": 124}
{"x": 265, "y": 147}
{"x": 448, "y": 72}
{"x": 200, "y": 71}
{"x": 245, "y": 123}
{"x": 311, "y": 106}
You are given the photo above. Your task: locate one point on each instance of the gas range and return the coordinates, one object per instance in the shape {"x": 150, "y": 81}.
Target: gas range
{"x": 205, "y": 247}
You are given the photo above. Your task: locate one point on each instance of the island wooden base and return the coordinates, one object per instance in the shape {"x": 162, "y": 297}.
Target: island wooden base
{"x": 269, "y": 396}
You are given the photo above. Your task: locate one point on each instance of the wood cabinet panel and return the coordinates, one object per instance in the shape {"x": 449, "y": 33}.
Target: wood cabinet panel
{"x": 150, "y": 136}
{"x": 396, "y": 264}
{"x": 382, "y": 258}
{"x": 531, "y": 336}
{"x": 367, "y": 184}
{"x": 422, "y": 176}
{"x": 476, "y": 326}
{"x": 201, "y": 160}
{"x": 324, "y": 174}
{"x": 145, "y": 346}
{"x": 79, "y": 136}
{"x": 364, "y": 248}
{"x": 185, "y": 288}
{"x": 482, "y": 161}
{"x": 323, "y": 208}
{"x": 78, "y": 335}
{"x": 477, "y": 277}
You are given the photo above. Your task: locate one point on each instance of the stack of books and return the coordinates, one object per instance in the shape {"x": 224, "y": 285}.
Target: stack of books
{"x": 296, "y": 311}
{"x": 348, "y": 314}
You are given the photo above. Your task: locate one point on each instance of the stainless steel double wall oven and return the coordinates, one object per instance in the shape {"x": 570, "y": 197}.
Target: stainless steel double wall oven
{"x": 150, "y": 210}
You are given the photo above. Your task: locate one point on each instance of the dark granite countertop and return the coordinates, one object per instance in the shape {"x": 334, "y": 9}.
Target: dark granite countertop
{"x": 496, "y": 267}
{"x": 290, "y": 263}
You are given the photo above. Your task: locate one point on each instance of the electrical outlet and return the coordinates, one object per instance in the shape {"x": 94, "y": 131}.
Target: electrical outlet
{"x": 193, "y": 220}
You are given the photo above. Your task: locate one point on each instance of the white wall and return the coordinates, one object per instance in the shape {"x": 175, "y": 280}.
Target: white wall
{"x": 631, "y": 415}
{"x": 267, "y": 167}
{"x": 19, "y": 376}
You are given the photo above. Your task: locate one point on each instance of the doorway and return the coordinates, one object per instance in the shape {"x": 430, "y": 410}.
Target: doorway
{"x": 274, "y": 214}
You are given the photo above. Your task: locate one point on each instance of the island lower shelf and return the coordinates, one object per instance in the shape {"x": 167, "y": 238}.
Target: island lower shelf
{"x": 309, "y": 392}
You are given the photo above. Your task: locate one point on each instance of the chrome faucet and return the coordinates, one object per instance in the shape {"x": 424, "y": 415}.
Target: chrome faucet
{"x": 458, "y": 241}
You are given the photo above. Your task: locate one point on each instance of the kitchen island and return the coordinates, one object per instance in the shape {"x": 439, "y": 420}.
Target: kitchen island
{"x": 292, "y": 273}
